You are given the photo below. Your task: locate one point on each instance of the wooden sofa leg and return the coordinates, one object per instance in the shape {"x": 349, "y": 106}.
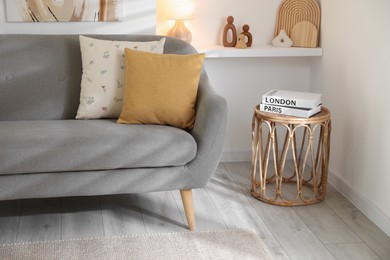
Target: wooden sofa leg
{"x": 186, "y": 197}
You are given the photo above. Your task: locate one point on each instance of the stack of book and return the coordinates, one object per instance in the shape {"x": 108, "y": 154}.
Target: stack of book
{"x": 292, "y": 103}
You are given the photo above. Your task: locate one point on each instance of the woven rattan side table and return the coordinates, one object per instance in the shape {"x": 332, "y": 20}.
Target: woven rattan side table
{"x": 294, "y": 173}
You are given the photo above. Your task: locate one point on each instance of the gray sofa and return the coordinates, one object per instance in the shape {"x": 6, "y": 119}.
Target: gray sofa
{"x": 45, "y": 152}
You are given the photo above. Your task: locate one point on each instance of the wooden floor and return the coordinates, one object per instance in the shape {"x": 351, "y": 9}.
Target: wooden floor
{"x": 333, "y": 229}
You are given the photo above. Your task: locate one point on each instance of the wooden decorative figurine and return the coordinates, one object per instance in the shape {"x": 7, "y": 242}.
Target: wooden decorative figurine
{"x": 241, "y": 42}
{"x": 247, "y": 34}
{"x": 229, "y": 26}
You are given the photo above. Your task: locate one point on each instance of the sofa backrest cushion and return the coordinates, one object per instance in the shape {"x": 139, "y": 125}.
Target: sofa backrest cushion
{"x": 40, "y": 75}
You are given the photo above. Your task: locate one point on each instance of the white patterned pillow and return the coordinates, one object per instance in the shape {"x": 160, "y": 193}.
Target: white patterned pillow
{"x": 103, "y": 75}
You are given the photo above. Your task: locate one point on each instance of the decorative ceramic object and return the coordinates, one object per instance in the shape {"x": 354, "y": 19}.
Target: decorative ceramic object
{"x": 247, "y": 34}
{"x": 241, "y": 44}
{"x": 229, "y": 26}
{"x": 282, "y": 40}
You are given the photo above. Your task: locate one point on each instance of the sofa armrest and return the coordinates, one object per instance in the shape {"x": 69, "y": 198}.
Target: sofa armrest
{"x": 209, "y": 132}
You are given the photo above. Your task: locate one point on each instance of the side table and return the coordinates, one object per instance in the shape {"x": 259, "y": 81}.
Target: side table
{"x": 294, "y": 173}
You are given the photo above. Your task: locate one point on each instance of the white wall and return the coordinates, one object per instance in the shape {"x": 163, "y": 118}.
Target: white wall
{"x": 354, "y": 75}
{"x": 139, "y": 17}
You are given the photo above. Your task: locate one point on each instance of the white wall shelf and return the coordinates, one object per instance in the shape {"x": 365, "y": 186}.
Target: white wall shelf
{"x": 218, "y": 51}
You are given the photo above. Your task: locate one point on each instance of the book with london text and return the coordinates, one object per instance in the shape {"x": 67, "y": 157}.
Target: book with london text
{"x": 291, "y": 99}
{"x": 290, "y": 111}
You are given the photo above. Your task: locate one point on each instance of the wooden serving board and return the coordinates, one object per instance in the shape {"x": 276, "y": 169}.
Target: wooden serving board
{"x": 291, "y": 12}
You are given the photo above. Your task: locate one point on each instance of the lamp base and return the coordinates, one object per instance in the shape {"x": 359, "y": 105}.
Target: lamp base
{"x": 179, "y": 30}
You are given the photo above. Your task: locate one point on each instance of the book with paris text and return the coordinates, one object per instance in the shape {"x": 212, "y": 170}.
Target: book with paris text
{"x": 291, "y": 99}
{"x": 290, "y": 111}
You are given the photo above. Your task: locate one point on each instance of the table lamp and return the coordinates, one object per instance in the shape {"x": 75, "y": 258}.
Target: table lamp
{"x": 180, "y": 10}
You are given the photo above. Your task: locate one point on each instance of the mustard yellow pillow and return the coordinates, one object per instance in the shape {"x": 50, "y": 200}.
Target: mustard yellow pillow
{"x": 160, "y": 88}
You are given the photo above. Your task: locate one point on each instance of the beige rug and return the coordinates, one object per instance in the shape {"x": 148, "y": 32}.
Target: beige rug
{"x": 233, "y": 244}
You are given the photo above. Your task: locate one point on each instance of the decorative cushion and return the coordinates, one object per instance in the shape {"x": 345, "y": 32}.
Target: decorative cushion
{"x": 104, "y": 73}
{"x": 161, "y": 88}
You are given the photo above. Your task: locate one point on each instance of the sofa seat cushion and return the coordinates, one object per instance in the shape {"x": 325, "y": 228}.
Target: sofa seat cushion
{"x": 74, "y": 145}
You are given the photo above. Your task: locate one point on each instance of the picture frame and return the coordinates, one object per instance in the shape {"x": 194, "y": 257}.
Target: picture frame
{"x": 63, "y": 10}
